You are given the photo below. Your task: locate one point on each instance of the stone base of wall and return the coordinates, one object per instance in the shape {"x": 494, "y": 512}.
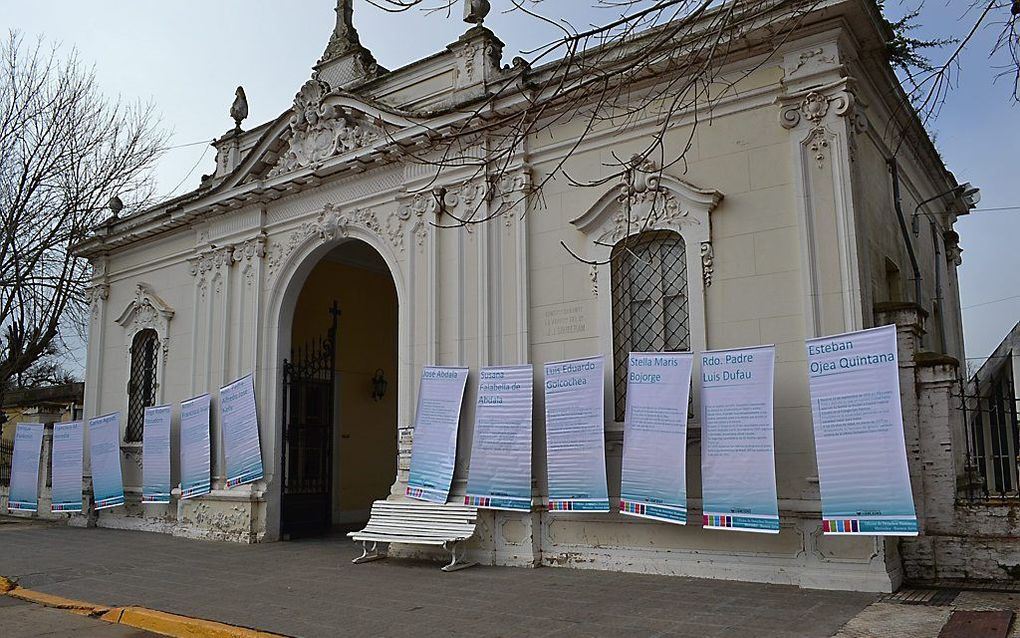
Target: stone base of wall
{"x": 981, "y": 546}
{"x": 799, "y": 555}
{"x": 236, "y": 515}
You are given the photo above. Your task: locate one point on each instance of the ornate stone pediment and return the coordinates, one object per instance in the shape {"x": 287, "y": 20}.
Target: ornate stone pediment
{"x": 146, "y": 310}
{"x": 650, "y": 200}
{"x": 321, "y": 128}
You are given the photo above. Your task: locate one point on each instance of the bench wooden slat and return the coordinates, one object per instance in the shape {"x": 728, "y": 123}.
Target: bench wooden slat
{"x": 418, "y": 523}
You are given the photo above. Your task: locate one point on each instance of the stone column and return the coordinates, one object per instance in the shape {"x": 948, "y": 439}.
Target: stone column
{"x": 97, "y": 296}
{"x": 941, "y": 429}
{"x": 909, "y": 319}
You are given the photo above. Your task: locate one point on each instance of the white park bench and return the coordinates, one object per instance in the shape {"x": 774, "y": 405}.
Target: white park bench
{"x": 417, "y": 523}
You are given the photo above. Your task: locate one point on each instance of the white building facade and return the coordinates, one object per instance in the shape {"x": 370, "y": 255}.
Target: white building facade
{"x": 781, "y": 226}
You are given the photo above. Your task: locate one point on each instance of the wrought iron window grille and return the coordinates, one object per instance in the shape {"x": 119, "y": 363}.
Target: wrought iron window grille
{"x": 142, "y": 382}
{"x": 650, "y": 301}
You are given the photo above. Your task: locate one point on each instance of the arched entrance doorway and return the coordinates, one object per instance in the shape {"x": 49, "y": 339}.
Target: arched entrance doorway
{"x": 339, "y": 444}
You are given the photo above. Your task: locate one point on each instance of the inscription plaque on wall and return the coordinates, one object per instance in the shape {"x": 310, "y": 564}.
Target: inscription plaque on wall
{"x": 564, "y": 321}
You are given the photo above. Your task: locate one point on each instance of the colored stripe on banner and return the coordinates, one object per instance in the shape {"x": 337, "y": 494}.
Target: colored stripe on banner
{"x": 715, "y": 520}
{"x": 477, "y": 501}
{"x": 560, "y": 506}
{"x": 842, "y": 526}
{"x": 414, "y": 492}
{"x": 630, "y": 507}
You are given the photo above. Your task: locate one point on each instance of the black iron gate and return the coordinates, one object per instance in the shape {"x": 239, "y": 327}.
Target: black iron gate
{"x": 308, "y": 400}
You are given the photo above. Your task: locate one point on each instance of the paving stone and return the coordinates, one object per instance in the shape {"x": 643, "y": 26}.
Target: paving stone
{"x": 310, "y": 588}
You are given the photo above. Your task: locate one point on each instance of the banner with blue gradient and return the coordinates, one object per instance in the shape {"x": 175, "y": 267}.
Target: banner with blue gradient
{"x": 104, "y": 453}
{"x": 653, "y": 482}
{"x": 858, "y": 427}
{"x": 434, "y": 450}
{"x": 24, "y": 494}
{"x": 239, "y": 420}
{"x": 738, "y": 463}
{"x": 500, "y": 472}
{"x": 195, "y": 447}
{"x": 156, "y": 454}
{"x": 66, "y": 472}
{"x": 575, "y": 436}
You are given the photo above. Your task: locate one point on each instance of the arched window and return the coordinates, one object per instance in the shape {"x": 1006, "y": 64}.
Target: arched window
{"x": 650, "y": 303}
{"x": 142, "y": 384}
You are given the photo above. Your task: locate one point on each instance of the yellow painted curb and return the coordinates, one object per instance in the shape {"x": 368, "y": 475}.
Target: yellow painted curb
{"x": 179, "y": 626}
{"x": 138, "y": 617}
{"x": 58, "y": 602}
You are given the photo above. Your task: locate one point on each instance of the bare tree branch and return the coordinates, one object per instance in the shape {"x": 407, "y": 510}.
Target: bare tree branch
{"x": 65, "y": 151}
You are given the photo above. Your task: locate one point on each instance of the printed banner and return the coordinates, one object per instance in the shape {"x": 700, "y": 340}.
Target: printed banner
{"x": 575, "y": 436}
{"x": 434, "y": 450}
{"x": 24, "y": 494}
{"x": 654, "y": 479}
{"x": 738, "y": 461}
{"x": 500, "y": 472}
{"x": 66, "y": 470}
{"x": 104, "y": 452}
{"x": 195, "y": 467}
{"x": 858, "y": 424}
{"x": 240, "y": 424}
{"x": 156, "y": 455}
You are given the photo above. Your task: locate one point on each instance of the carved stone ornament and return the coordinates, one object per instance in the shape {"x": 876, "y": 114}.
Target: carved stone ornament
{"x": 96, "y": 294}
{"x": 644, "y": 204}
{"x": 344, "y": 38}
{"x": 651, "y": 200}
{"x": 510, "y": 192}
{"x": 954, "y": 254}
{"x": 815, "y": 106}
{"x": 146, "y": 310}
{"x": 206, "y": 267}
{"x": 707, "y": 262}
{"x": 248, "y": 254}
{"x": 318, "y": 131}
{"x": 335, "y": 222}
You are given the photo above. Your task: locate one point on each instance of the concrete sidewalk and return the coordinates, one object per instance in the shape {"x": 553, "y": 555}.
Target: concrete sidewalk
{"x": 20, "y": 619}
{"x": 310, "y": 588}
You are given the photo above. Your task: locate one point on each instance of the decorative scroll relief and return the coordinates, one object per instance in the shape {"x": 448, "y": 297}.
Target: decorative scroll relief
{"x": 821, "y": 105}
{"x": 146, "y": 310}
{"x": 707, "y": 262}
{"x": 318, "y": 130}
{"x": 207, "y": 267}
{"x": 650, "y": 200}
{"x": 96, "y": 294}
{"x": 510, "y": 191}
{"x": 335, "y": 222}
{"x": 248, "y": 253}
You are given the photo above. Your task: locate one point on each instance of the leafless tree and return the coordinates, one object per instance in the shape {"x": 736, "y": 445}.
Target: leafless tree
{"x": 666, "y": 58}
{"x": 65, "y": 151}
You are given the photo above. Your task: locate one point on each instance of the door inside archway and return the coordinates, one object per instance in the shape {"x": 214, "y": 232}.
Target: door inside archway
{"x": 340, "y": 435}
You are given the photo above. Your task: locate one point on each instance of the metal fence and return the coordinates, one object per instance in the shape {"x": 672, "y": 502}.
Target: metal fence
{"x": 6, "y": 455}
{"x": 993, "y": 439}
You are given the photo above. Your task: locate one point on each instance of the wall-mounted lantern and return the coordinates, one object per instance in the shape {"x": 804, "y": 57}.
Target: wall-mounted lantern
{"x": 379, "y": 384}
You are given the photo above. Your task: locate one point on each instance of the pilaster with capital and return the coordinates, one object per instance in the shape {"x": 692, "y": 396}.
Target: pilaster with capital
{"x": 211, "y": 269}
{"x": 825, "y": 114}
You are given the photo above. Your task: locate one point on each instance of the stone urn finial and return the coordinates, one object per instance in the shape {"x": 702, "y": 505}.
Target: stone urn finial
{"x": 116, "y": 205}
{"x": 239, "y": 109}
{"x": 475, "y": 11}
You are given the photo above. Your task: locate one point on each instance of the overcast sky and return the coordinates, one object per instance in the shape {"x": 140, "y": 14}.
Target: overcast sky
{"x": 188, "y": 56}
